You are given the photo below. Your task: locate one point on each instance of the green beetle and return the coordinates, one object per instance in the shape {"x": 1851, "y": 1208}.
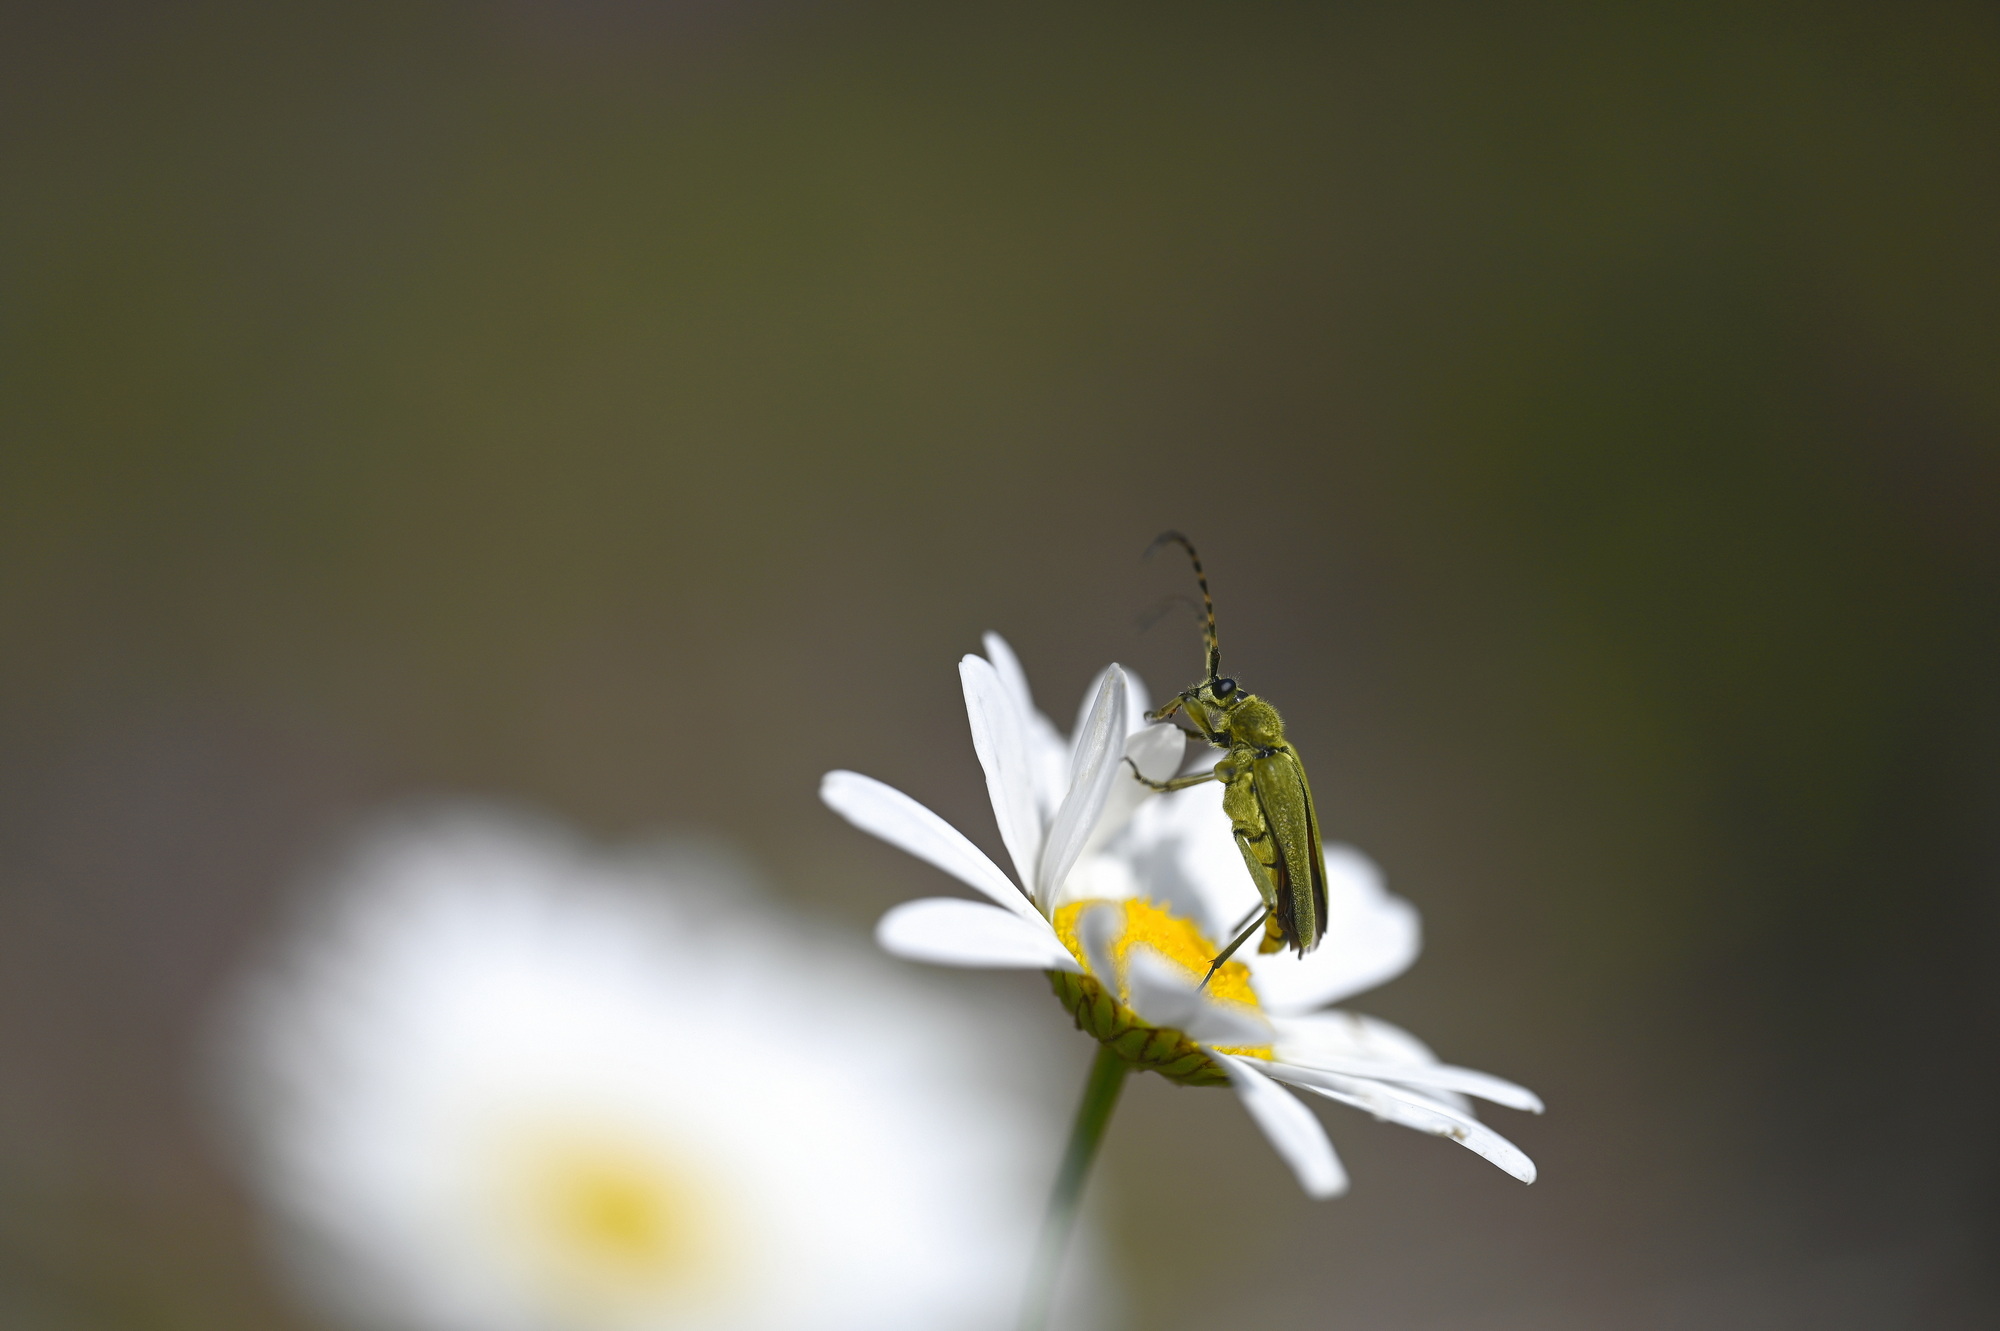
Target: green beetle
{"x": 1264, "y": 792}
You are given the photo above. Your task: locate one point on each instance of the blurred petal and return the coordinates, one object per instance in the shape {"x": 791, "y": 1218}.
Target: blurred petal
{"x": 1000, "y": 738}
{"x": 1207, "y": 863}
{"x": 1097, "y": 878}
{"x": 1155, "y": 844}
{"x": 1165, "y": 996}
{"x": 886, "y": 812}
{"x": 1289, "y": 1126}
{"x": 1372, "y": 936}
{"x": 946, "y": 931}
{"x": 478, "y": 1023}
{"x": 1413, "y": 1110}
{"x": 1157, "y": 750}
{"x": 1100, "y": 744}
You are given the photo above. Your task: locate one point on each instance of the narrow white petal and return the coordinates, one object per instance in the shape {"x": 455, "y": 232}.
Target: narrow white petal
{"x": 946, "y": 931}
{"x": 886, "y": 812}
{"x": 1008, "y": 667}
{"x": 1345, "y": 1034}
{"x": 1085, "y": 705}
{"x": 1438, "y": 1076}
{"x": 1100, "y": 744}
{"x": 1413, "y": 1110}
{"x": 1289, "y": 1126}
{"x": 1165, "y": 996}
{"x": 1311, "y": 1037}
{"x": 1137, "y": 701}
{"x": 1048, "y": 751}
{"x": 1372, "y": 936}
{"x": 1000, "y": 738}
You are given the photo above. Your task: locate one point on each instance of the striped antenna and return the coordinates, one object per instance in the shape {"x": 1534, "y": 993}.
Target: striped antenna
{"x": 1207, "y": 602}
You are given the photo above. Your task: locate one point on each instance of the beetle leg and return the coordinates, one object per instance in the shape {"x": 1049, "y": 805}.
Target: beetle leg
{"x": 1177, "y": 783}
{"x": 1230, "y": 951}
{"x": 1195, "y": 718}
{"x": 1267, "y": 870}
{"x": 1214, "y": 737}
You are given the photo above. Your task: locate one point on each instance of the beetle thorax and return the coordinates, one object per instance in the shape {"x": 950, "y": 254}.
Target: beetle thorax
{"x": 1253, "y": 721}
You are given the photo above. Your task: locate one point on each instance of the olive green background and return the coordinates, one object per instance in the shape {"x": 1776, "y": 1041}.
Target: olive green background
{"x": 1590, "y": 416}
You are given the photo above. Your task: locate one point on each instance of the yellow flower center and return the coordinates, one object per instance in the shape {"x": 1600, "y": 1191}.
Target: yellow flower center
{"x": 619, "y": 1214}
{"x": 1181, "y": 942}
{"x": 603, "y": 1221}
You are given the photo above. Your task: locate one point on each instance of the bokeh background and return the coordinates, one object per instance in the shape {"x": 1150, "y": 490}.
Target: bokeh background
{"x": 1590, "y": 416}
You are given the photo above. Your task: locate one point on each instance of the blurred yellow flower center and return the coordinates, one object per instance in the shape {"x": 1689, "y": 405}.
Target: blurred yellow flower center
{"x": 604, "y": 1221}
{"x": 1181, "y": 942}
{"x": 621, "y": 1214}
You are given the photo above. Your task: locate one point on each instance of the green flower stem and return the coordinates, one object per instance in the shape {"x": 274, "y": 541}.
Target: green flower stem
{"x": 1100, "y": 1097}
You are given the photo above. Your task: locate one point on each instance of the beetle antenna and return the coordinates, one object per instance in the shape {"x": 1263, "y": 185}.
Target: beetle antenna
{"x": 1207, "y": 602}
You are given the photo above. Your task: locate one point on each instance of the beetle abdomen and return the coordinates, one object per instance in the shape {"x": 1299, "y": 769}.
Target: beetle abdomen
{"x": 1286, "y": 804}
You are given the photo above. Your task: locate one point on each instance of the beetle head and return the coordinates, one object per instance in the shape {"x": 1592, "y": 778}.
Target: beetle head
{"x": 1216, "y": 699}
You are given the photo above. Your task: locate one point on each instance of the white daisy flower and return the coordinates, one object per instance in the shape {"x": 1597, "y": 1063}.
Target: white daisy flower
{"x": 1122, "y": 897}
{"x": 501, "y": 1083}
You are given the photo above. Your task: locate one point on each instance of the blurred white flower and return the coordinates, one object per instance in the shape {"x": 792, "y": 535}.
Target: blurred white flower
{"x": 497, "y": 1082}
{"x": 1122, "y": 898}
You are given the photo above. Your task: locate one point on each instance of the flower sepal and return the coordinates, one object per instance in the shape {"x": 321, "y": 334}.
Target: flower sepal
{"x": 1160, "y": 1049}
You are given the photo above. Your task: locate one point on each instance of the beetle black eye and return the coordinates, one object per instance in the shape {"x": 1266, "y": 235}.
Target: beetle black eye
{"x": 1224, "y": 688}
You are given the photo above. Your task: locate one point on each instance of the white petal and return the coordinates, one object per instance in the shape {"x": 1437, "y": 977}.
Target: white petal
{"x": 1008, "y": 667}
{"x": 1000, "y": 738}
{"x": 1345, "y": 1034}
{"x": 1165, "y": 996}
{"x": 1155, "y": 750}
{"x": 1098, "y": 878}
{"x": 1372, "y": 936}
{"x": 946, "y": 931}
{"x": 1100, "y": 744}
{"x": 1048, "y": 751}
{"x": 1088, "y": 701}
{"x": 1206, "y": 865}
{"x": 1308, "y": 1038}
{"x": 1289, "y": 1126}
{"x": 1156, "y": 846}
{"x": 1413, "y": 1110}
{"x": 887, "y": 812}
{"x": 1097, "y": 929}
{"x": 1137, "y": 702}
{"x": 1439, "y": 1076}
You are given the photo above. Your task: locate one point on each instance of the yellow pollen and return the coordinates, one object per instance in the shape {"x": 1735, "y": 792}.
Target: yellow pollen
{"x": 1181, "y": 942}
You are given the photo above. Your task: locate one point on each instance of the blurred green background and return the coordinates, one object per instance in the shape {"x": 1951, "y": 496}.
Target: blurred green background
{"x": 1590, "y": 416}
